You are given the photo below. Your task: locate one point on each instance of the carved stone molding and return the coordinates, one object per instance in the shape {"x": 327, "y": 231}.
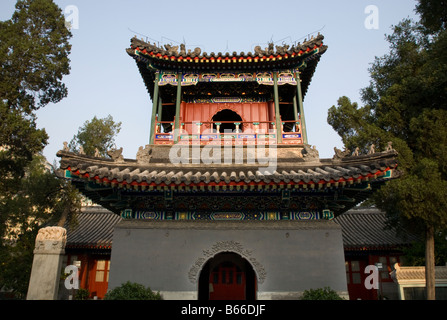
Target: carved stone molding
{"x": 51, "y": 239}
{"x": 226, "y": 246}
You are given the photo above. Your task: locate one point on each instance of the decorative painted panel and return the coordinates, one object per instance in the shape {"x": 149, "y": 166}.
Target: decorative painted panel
{"x": 227, "y": 215}
{"x": 265, "y": 78}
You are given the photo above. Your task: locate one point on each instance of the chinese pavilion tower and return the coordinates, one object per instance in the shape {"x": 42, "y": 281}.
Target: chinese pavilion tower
{"x": 228, "y": 200}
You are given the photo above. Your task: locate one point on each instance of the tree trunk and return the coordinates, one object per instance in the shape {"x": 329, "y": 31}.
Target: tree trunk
{"x": 63, "y": 217}
{"x": 430, "y": 262}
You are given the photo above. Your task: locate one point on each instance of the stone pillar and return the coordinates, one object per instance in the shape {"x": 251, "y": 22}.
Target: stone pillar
{"x": 46, "y": 269}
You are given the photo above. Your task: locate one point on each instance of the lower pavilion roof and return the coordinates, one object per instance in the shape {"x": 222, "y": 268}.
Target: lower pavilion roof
{"x": 344, "y": 181}
{"x": 93, "y": 229}
{"x": 365, "y": 228}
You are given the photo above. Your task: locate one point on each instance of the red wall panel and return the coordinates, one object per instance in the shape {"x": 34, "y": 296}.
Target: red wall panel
{"x": 204, "y": 112}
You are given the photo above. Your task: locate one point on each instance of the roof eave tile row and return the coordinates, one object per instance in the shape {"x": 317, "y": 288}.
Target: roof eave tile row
{"x": 131, "y": 175}
{"x": 155, "y": 52}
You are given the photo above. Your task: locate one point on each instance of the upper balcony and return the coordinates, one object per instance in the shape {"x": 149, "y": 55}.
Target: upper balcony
{"x": 228, "y": 133}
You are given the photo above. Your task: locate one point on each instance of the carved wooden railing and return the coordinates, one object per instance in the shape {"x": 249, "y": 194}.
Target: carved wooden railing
{"x": 245, "y": 132}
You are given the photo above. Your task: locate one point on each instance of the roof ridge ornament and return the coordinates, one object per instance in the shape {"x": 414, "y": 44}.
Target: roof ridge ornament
{"x": 271, "y": 49}
{"x": 341, "y": 154}
{"x": 310, "y": 153}
{"x": 372, "y": 150}
{"x": 389, "y": 147}
{"x": 144, "y": 155}
{"x": 116, "y": 155}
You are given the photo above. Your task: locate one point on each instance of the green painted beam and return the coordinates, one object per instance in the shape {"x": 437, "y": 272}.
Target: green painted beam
{"x": 301, "y": 107}
{"x": 277, "y": 115}
{"x": 295, "y": 109}
{"x": 177, "y": 107}
{"x": 160, "y": 109}
{"x": 154, "y": 108}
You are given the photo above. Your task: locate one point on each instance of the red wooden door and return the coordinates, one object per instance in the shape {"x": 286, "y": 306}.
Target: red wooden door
{"x": 355, "y": 276}
{"x": 227, "y": 282}
{"x": 99, "y": 278}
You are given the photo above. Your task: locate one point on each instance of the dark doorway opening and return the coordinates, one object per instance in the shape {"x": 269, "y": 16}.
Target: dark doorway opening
{"x": 227, "y": 115}
{"x": 227, "y": 276}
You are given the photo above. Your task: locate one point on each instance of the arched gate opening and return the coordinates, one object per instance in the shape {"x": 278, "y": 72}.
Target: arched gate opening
{"x": 227, "y": 276}
{"x": 226, "y": 115}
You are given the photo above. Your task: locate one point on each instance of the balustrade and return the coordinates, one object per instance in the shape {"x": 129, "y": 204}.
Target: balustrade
{"x": 244, "y": 132}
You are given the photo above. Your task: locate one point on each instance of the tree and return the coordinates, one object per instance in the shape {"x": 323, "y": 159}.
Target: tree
{"x": 34, "y": 55}
{"x": 34, "y": 49}
{"x": 406, "y": 103}
{"x": 42, "y": 199}
{"x": 96, "y": 134}
{"x": 433, "y": 14}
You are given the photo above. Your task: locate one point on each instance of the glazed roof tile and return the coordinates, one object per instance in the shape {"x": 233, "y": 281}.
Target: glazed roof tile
{"x": 296, "y": 170}
{"x": 93, "y": 228}
{"x": 281, "y": 52}
{"x": 151, "y": 58}
{"x": 417, "y": 274}
{"x": 100, "y": 179}
{"x": 366, "y": 228}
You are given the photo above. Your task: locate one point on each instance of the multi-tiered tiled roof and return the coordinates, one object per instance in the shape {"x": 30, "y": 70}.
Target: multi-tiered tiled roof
{"x": 303, "y": 56}
{"x": 336, "y": 184}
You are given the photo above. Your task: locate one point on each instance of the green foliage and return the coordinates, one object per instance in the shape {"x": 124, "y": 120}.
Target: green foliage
{"x": 325, "y": 293}
{"x": 405, "y": 103}
{"x": 21, "y": 140}
{"x": 414, "y": 255}
{"x": 82, "y": 294}
{"x": 34, "y": 51}
{"x": 433, "y": 14}
{"x": 96, "y": 134}
{"x": 132, "y": 291}
{"x": 42, "y": 198}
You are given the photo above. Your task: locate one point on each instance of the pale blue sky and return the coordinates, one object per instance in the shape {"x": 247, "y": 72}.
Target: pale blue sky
{"x": 105, "y": 80}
